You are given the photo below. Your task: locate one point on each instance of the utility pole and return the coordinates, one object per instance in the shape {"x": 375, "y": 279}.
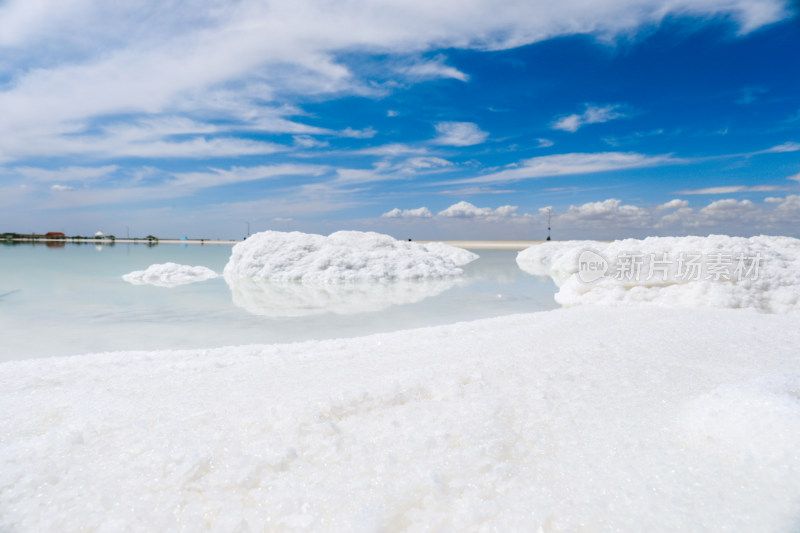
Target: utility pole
{"x": 548, "y": 222}
{"x": 248, "y": 228}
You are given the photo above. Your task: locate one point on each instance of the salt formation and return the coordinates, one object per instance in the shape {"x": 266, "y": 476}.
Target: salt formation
{"x": 344, "y": 256}
{"x": 717, "y": 271}
{"x": 581, "y": 419}
{"x": 169, "y": 275}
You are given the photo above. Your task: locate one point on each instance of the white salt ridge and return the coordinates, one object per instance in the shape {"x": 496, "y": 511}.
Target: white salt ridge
{"x": 271, "y": 298}
{"x": 774, "y": 288}
{"x": 170, "y": 275}
{"x": 580, "y": 419}
{"x": 350, "y": 256}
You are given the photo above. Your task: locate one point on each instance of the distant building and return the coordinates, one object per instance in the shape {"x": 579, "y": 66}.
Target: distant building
{"x": 54, "y": 235}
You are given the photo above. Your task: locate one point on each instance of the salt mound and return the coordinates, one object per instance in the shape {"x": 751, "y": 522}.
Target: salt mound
{"x": 342, "y": 256}
{"x": 169, "y": 275}
{"x": 716, "y": 271}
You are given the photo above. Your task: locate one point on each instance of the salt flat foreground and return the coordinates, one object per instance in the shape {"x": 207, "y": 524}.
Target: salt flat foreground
{"x": 583, "y": 419}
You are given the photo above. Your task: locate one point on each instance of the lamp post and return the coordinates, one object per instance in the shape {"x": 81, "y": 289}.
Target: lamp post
{"x": 548, "y": 222}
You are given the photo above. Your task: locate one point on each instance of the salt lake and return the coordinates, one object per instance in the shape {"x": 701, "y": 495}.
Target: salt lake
{"x": 71, "y": 299}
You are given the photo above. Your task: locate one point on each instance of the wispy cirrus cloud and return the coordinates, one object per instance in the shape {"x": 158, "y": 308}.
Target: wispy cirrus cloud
{"x": 215, "y": 177}
{"x": 731, "y": 189}
{"x": 68, "y": 174}
{"x": 571, "y": 164}
{"x": 431, "y": 69}
{"x": 68, "y": 65}
{"x": 591, "y": 115}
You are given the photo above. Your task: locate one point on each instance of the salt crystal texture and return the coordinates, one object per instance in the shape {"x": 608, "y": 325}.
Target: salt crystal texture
{"x": 581, "y": 419}
{"x": 344, "y": 256}
{"x": 170, "y": 275}
{"x": 767, "y": 280}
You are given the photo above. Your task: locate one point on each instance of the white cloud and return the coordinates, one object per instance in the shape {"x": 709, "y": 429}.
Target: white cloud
{"x": 796, "y": 177}
{"x": 421, "y": 212}
{"x": 613, "y": 219}
{"x": 307, "y": 141}
{"x": 468, "y": 210}
{"x": 782, "y": 148}
{"x": 67, "y": 65}
{"x": 674, "y": 204}
{"x": 472, "y": 191}
{"x": 428, "y": 162}
{"x": 610, "y": 210}
{"x": 544, "y": 143}
{"x": 569, "y": 164}
{"x": 65, "y": 173}
{"x": 57, "y": 187}
{"x": 435, "y": 68}
{"x": 591, "y": 115}
{"x": 729, "y": 189}
{"x": 459, "y": 134}
{"x": 366, "y": 133}
{"x": 215, "y": 177}
{"x": 728, "y": 208}
{"x": 393, "y": 150}
{"x": 787, "y": 208}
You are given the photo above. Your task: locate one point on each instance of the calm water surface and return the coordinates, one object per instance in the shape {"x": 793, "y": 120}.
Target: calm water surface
{"x": 72, "y": 300}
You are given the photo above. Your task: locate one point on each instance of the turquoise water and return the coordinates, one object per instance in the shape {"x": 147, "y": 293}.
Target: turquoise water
{"x": 72, "y": 300}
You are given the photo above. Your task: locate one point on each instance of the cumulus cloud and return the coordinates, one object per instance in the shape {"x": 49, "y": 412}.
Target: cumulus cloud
{"x": 459, "y": 134}
{"x": 787, "y": 208}
{"x": 674, "y": 204}
{"x": 610, "y": 210}
{"x": 422, "y": 212}
{"x": 612, "y": 218}
{"x": 468, "y": 210}
{"x": 728, "y": 205}
{"x": 591, "y": 115}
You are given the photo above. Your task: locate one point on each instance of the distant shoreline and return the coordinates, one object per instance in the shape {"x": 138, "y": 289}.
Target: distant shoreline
{"x": 470, "y": 244}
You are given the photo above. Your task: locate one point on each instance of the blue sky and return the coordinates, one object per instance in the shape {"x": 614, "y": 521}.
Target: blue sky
{"x": 428, "y": 120}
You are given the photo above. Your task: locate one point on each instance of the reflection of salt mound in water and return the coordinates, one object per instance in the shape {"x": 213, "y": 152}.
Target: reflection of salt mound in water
{"x": 291, "y": 299}
{"x": 716, "y": 271}
{"x": 342, "y": 256}
{"x": 170, "y": 275}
